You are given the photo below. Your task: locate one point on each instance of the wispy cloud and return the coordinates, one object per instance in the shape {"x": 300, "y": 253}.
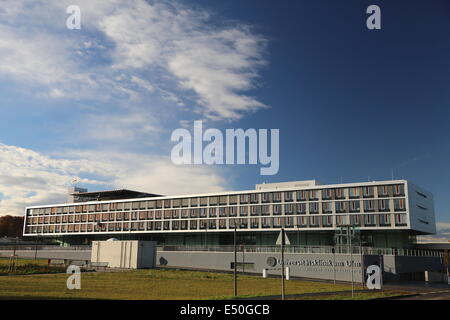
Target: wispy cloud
{"x": 164, "y": 47}
{"x": 442, "y": 233}
{"x": 31, "y": 178}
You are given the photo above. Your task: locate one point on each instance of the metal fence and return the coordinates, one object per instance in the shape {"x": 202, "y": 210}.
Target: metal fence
{"x": 307, "y": 249}
{"x": 12, "y": 247}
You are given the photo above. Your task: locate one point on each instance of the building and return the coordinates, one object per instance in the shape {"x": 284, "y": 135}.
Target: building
{"x": 385, "y": 214}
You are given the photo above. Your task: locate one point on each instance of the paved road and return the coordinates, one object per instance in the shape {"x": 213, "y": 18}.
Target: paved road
{"x": 436, "y": 295}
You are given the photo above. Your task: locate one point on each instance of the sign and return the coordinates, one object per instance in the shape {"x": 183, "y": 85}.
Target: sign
{"x": 280, "y": 239}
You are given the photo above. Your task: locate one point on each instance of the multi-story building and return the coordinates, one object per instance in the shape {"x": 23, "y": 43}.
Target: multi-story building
{"x": 386, "y": 214}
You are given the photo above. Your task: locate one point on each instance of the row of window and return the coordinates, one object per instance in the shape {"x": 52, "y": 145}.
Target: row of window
{"x": 241, "y": 223}
{"x": 265, "y": 197}
{"x": 264, "y": 210}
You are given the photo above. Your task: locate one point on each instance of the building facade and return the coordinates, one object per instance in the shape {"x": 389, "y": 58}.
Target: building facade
{"x": 386, "y": 214}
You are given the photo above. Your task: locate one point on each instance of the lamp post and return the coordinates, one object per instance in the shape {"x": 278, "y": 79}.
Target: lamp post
{"x": 235, "y": 261}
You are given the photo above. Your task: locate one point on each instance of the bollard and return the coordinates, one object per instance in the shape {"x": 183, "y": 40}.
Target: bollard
{"x": 264, "y": 273}
{"x": 287, "y": 273}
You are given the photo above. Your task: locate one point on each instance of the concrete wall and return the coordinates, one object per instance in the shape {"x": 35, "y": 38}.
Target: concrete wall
{"x": 318, "y": 266}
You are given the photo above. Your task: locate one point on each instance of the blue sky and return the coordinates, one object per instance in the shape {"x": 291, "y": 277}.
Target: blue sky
{"x": 99, "y": 104}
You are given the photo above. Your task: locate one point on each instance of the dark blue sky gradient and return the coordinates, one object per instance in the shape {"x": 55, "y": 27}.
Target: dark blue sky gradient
{"x": 352, "y": 103}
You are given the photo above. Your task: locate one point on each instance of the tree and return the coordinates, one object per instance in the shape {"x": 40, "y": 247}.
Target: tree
{"x": 11, "y": 226}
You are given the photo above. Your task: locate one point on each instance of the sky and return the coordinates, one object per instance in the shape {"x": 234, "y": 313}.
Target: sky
{"x": 98, "y": 105}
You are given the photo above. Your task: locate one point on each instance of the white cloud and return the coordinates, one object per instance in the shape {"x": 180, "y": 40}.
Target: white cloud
{"x": 442, "y": 233}
{"x": 29, "y": 178}
{"x": 161, "y": 44}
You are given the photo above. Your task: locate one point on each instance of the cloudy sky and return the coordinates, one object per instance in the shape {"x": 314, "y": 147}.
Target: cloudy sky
{"x": 99, "y": 104}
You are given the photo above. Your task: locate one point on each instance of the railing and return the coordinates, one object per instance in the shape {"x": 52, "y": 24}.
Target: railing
{"x": 12, "y": 247}
{"x": 307, "y": 249}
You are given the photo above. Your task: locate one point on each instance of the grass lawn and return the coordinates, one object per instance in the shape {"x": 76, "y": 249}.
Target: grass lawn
{"x": 151, "y": 284}
{"x": 29, "y": 266}
{"x": 154, "y": 284}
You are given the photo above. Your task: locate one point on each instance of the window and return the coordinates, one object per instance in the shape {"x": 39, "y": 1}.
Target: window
{"x": 276, "y": 209}
{"x": 342, "y": 220}
{"x": 266, "y": 197}
{"x": 301, "y": 208}
{"x": 150, "y": 225}
{"x": 203, "y": 212}
{"x": 301, "y": 195}
{"x": 184, "y": 224}
{"x": 244, "y": 198}
{"x": 327, "y": 221}
{"x": 176, "y": 203}
{"x": 288, "y": 196}
{"x": 194, "y": 213}
{"x": 314, "y": 221}
{"x": 143, "y": 215}
{"x": 223, "y": 200}
{"x": 276, "y": 222}
{"x": 369, "y": 220}
{"x": 383, "y": 205}
{"x": 313, "y": 195}
{"x": 243, "y": 211}
{"x": 255, "y": 210}
{"x": 213, "y": 201}
{"x": 276, "y": 196}
{"x": 142, "y": 205}
{"x": 193, "y": 225}
{"x": 222, "y": 223}
{"x": 265, "y": 222}
{"x": 212, "y": 224}
{"x": 355, "y": 220}
{"x": 233, "y": 199}
{"x": 203, "y": 223}
{"x": 313, "y": 208}
{"x": 367, "y": 192}
{"x": 326, "y": 207}
{"x": 203, "y": 201}
{"x": 383, "y": 191}
{"x": 399, "y": 204}
{"x": 254, "y": 198}
{"x": 254, "y": 223}
{"x": 354, "y": 192}
{"x": 223, "y": 211}
{"x": 288, "y": 208}
{"x": 400, "y": 220}
{"x": 302, "y": 222}
{"x": 369, "y": 206}
{"x": 327, "y": 194}
{"x": 167, "y": 214}
{"x": 212, "y": 212}
{"x": 341, "y": 206}
{"x": 289, "y": 222}
{"x": 399, "y": 190}
{"x": 384, "y": 219}
{"x": 354, "y": 206}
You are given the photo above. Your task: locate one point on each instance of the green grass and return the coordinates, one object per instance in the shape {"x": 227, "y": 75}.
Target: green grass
{"x": 155, "y": 284}
{"x": 28, "y": 266}
{"x": 152, "y": 284}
